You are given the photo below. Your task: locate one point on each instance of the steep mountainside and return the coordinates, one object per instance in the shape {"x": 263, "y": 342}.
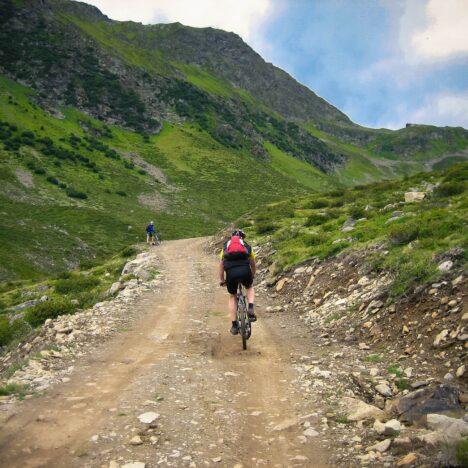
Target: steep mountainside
{"x": 105, "y": 125}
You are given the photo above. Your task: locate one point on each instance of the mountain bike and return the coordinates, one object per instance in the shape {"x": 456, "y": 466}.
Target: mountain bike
{"x": 244, "y": 324}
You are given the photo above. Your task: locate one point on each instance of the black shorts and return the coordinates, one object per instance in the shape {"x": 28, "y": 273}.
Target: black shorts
{"x": 239, "y": 274}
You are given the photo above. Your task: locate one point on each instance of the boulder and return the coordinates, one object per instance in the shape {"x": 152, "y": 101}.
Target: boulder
{"x": 408, "y": 459}
{"x": 414, "y": 406}
{"x": 384, "y": 390}
{"x": 358, "y": 410}
{"x": 445, "y": 266}
{"x": 381, "y": 447}
{"x": 117, "y": 286}
{"x": 444, "y": 430}
{"x": 411, "y": 197}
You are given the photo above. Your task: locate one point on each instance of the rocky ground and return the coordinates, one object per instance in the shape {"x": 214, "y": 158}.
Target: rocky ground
{"x": 331, "y": 378}
{"x": 392, "y": 373}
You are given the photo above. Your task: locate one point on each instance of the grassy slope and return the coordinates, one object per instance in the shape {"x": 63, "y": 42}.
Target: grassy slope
{"x": 208, "y": 184}
{"x": 310, "y": 226}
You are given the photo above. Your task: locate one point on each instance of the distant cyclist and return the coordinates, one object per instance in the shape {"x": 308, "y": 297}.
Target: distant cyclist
{"x": 238, "y": 262}
{"x": 150, "y": 233}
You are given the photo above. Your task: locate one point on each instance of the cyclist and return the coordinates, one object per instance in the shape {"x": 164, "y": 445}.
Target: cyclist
{"x": 150, "y": 233}
{"x": 238, "y": 261}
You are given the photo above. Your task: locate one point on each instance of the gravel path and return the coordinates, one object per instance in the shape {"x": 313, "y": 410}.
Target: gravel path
{"x": 175, "y": 389}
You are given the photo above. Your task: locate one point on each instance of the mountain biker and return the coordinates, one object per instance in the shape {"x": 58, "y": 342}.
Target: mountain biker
{"x": 238, "y": 261}
{"x": 150, "y": 233}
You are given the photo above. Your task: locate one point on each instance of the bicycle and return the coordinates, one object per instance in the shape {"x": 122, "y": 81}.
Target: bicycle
{"x": 243, "y": 322}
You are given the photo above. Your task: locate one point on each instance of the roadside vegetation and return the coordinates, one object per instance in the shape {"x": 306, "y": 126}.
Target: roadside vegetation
{"x": 25, "y": 305}
{"x": 413, "y": 236}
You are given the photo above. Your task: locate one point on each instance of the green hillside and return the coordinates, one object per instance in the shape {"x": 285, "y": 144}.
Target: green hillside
{"x": 415, "y": 235}
{"x": 105, "y": 125}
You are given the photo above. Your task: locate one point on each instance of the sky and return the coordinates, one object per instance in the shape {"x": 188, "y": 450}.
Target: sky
{"x": 382, "y": 62}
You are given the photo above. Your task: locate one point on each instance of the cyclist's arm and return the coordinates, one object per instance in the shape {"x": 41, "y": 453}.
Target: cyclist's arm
{"x": 221, "y": 271}
{"x": 253, "y": 266}
{"x": 221, "y": 266}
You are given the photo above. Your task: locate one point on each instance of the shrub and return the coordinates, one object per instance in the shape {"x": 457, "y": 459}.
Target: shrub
{"x": 317, "y": 203}
{"x": 12, "y": 331}
{"x": 76, "y": 284}
{"x": 336, "y": 193}
{"x": 449, "y": 189}
{"x": 265, "y": 228}
{"x": 39, "y": 171}
{"x": 316, "y": 219}
{"x": 128, "y": 252}
{"x": 312, "y": 239}
{"x": 53, "y": 180}
{"x": 142, "y": 171}
{"x": 73, "y": 193}
{"x": 356, "y": 212}
{"x": 461, "y": 452}
{"x": 38, "y": 314}
{"x": 400, "y": 234}
{"x": 121, "y": 193}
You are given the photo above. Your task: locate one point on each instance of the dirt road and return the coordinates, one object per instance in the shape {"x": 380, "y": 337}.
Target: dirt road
{"x": 217, "y": 405}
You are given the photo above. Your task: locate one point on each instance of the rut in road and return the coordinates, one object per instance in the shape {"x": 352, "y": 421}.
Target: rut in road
{"x": 217, "y": 405}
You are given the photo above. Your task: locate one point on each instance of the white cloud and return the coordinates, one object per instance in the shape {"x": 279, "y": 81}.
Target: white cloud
{"x": 243, "y": 17}
{"x": 445, "y": 109}
{"x": 446, "y": 31}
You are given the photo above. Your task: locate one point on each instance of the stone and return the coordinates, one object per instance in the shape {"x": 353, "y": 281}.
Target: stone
{"x": 445, "y": 266}
{"x": 136, "y": 440}
{"x": 448, "y": 376}
{"x": 286, "y": 424}
{"x": 408, "y": 459}
{"x": 117, "y": 286}
{"x": 310, "y": 432}
{"x": 384, "y": 390}
{"x": 445, "y": 430}
{"x": 25, "y": 305}
{"x": 440, "y": 337}
{"x": 134, "y": 465}
{"x": 358, "y": 410}
{"x": 414, "y": 406}
{"x": 461, "y": 371}
{"x": 411, "y": 197}
{"x": 392, "y": 427}
{"x": 148, "y": 418}
{"x": 280, "y": 284}
{"x": 363, "y": 346}
{"x": 113, "y": 464}
{"x": 379, "y": 427}
{"x": 381, "y": 447}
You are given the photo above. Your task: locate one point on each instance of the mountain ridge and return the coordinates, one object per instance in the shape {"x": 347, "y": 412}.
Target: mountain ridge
{"x": 92, "y": 110}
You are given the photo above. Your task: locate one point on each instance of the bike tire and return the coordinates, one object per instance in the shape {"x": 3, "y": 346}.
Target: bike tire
{"x": 243, "y": 330}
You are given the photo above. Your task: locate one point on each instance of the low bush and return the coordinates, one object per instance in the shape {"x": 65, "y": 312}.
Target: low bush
{"x": 52, "y": 180}
{"x": 121, "y": 193}
{"x": 38, "y": 314}
{"x": 317, "y": 203}
{"x": 265, "y": 228}
{"x": 39, "y": 171}
{"x": 316, "y": 219}
{"x": 313, "y": 239}
{"x": 128, "y": 252}
{"x": 76, "y": 284}
{"x": 450, "y": 188}
{"x": 400, "y": 234}
{"x": 73, "y": 193}
{"x": 12, "y": 331}
{"x": 356, "y": 212}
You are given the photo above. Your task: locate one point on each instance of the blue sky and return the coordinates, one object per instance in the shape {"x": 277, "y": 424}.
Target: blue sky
{"x": 382, "y": 62}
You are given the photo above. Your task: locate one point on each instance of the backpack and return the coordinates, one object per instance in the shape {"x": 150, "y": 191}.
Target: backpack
{"x": 235, "y": 249}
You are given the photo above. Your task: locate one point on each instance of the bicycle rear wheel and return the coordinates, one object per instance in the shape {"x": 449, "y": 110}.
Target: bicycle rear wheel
{"x": 241, "y": 317}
